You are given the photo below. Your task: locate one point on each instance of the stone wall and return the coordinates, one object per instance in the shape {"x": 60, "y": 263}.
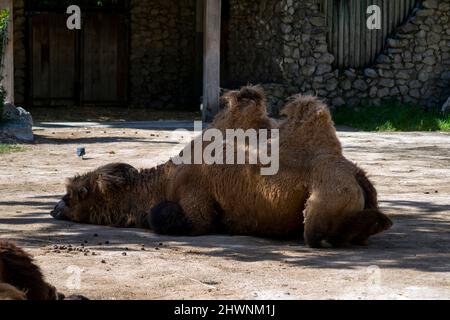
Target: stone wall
{"x": 413, "y": 68}
{"x": 20, "y": 58}
{"x": 162, "y": 53}
{"x": 255, "y": 45}
{"x": 281, "y": 44}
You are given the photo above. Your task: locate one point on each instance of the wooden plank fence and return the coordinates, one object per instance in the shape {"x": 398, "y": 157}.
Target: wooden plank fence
{"x": 349, "y": 39}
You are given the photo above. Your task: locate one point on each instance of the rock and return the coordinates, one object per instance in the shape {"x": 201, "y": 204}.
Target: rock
{"x": 403, "y": 90}
{"x": 346, "y": 84}
{"x": 396, "y": 43}
{"x": 331, "y": 84}
{"x": 402, "y": 75}
{"x": 394, "y": 92}
{"x": 17, "y": 124}
{"x": 430, "y": 4}
{"x": 383, "y": 92}
{"x": 415, "y": 84}
{"x": 423, "y": 76}
{"x": 323, "y": 68}
{"x": 318, "y": 21}
{"x": 425, "y": 13}
{"x": 350, "y": 73}
{"x": 308, "y": 70}
{"x": 338, "y": 102}
{"x": 370, "y": 73}
{"x": 388, "y": 83}
{"x": 373, "y": 92}
{"x": 446, "y": 106}
{"x": 383, "y": 59}
{"x": 360, "y": 85}
{"x": 445, "y": 75}
{"x": 326, "y": 58}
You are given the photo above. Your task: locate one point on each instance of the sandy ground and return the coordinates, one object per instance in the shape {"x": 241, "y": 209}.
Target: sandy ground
{"x": 411, "y": 261}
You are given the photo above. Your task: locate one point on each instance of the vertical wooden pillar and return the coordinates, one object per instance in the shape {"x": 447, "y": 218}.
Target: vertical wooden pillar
{"x": 211, "y": 58}
{"x": 198, "y": 78}
{"x": 8, "y": 61}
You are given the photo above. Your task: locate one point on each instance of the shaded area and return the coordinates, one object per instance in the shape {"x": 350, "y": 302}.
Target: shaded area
{"x": 419, "y": 240}
{"x": 108, "y": 113}
{"x": 95, "y": 139}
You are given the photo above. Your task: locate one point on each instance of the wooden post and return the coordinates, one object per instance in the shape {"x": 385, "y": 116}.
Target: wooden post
{"x": 8, "y": 61}
{"x": 211, "y": 58}
{"x": 198, "y": 78}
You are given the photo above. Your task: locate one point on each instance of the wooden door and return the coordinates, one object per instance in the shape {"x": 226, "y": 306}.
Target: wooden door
{"x": 105, "y": 59}
{"x": 53, "y": 61}
{"x": 71, "y": 67}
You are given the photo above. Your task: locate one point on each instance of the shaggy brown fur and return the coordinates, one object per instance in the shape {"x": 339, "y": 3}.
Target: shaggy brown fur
{"x": 119, "y": 195}
{"x": 342, "y": 204}
{"x": 20, "y": 278}
{"x": 116, "y": 195}
{"x": 244, "y": 109}
{"x": 338, "y": 200}
{"x": 8, "y": 292}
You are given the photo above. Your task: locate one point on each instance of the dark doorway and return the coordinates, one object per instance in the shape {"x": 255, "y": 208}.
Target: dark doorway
{"x": 77, "y": 67}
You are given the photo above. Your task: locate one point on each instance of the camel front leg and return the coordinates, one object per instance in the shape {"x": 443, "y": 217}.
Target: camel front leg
{"x": 193, "y": 215}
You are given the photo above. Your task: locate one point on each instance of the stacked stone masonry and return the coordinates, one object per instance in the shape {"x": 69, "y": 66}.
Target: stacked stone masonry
{"x": 413, "y": 68}
{"x": 281, "y": 44}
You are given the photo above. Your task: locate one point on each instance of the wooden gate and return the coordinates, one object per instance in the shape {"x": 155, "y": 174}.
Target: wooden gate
{"x": 87, "y": 66}
{"x": 351, "y": 42}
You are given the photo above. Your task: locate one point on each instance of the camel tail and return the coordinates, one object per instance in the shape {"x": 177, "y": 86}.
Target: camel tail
{"x": 370, "y": 193}
{"x": 371, "y": 220}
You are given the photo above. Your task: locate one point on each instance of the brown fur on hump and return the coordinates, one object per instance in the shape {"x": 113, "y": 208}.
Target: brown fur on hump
{"x": 17, "y": 269}
{"x": 244, "y": 109}
{"x": 309, "y": 121}
{"x": 342, "y": 206}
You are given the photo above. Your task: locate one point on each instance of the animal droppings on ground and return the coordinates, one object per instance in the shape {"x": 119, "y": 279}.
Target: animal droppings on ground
{"x": 69, "y": 249}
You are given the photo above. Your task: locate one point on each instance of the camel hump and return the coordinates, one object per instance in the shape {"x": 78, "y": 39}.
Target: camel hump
{"x": 246, "y": 94}
{"x": 255, "y": 93}
{"x": 305, "y": 108}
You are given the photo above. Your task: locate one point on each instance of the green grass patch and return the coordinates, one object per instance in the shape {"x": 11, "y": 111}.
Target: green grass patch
{"x": 8, "y": 148}
{"x": 392, "y": 117}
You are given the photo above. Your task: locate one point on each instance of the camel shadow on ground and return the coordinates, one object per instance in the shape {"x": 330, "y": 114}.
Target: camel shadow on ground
{"x": 418, "y": 240}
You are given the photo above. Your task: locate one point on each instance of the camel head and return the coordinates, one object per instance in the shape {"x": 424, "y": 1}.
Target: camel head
{"x": 245, "y": 109}
{"x": 85, "y": 193}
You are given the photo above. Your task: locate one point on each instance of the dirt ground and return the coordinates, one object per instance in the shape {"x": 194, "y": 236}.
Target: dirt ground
{"x": 411, "y": 261}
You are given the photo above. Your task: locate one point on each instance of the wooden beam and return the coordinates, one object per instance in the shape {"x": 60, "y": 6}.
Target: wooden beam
{"x": 198, "y": 78}
{"x": 211, "y": 58}
{"x": 8, "y": 61}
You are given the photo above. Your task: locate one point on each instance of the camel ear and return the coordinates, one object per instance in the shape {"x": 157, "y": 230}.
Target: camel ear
{"x": 107, "y": 182}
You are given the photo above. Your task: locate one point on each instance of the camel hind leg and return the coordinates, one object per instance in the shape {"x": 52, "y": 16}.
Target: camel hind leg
{"x": 365, "y": 224}
{"x": 347, "y": 228}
